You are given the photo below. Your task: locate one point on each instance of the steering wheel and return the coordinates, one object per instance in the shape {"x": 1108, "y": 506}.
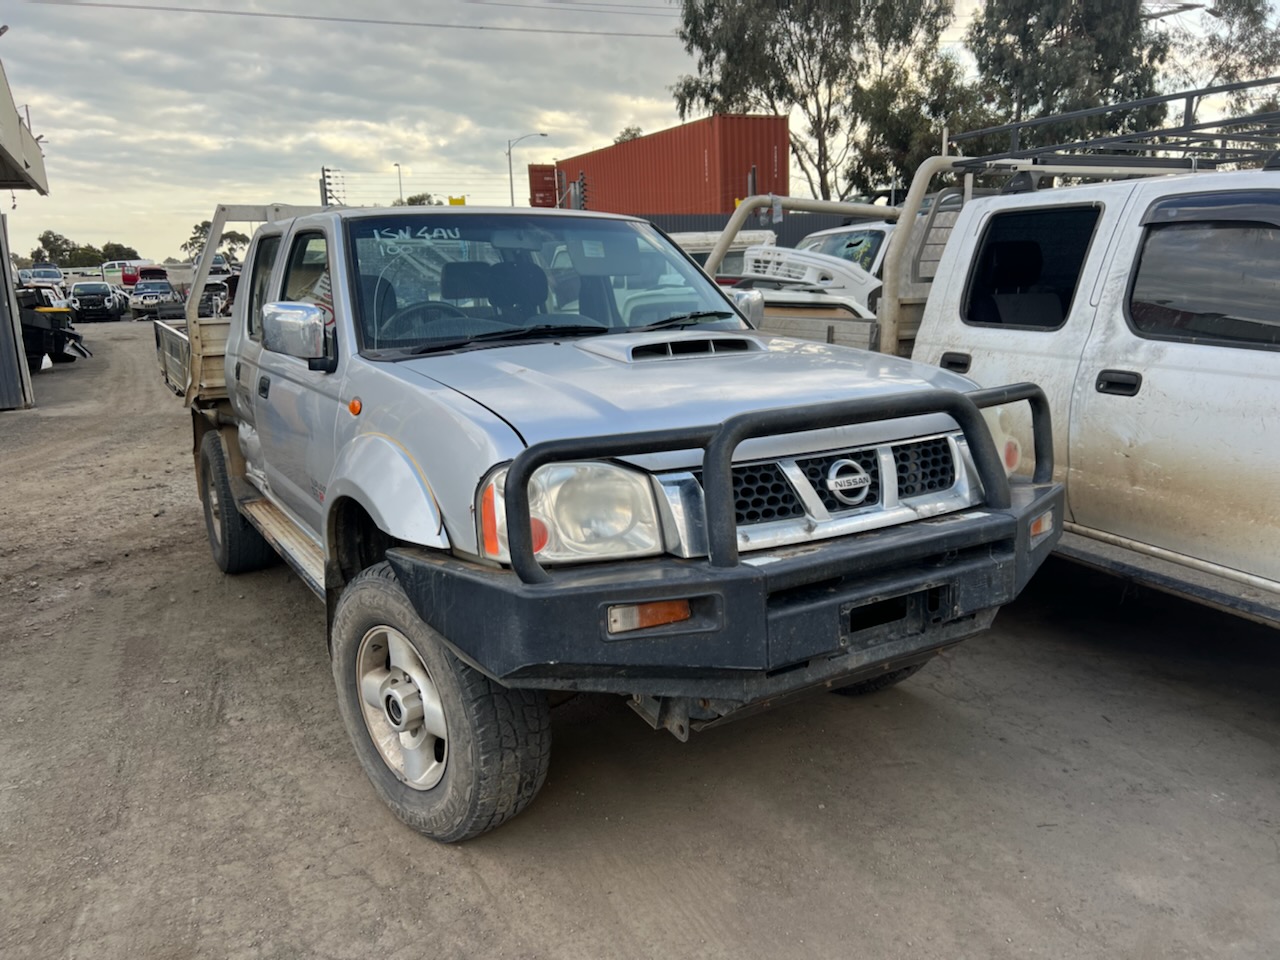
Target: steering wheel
{"x": 407, "y": 317}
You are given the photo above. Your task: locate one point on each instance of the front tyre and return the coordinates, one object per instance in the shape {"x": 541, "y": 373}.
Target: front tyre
{"x": 451, "y": 752}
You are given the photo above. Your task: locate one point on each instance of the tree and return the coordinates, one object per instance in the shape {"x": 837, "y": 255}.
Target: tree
{"x": 199, "y": 237}
{"x": 232, "y": 241}
{"x": 118, "y": 251}
{"x": 902, "y": 117}
{"x": 1042, "y": 57}
{"x": 631, "y": 132}
{"x": 54, "y": 247}
{"x": 418, "y": 200}
{"x": 834, "y": 61}
{"x": 1232, "y": 40}
{"x": 82, "y": 255}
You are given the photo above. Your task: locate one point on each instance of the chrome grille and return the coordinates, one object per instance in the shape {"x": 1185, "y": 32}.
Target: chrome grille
{"x": 924, "y": 466}
{"x": 817, "y": 468}
{"x": 763, "y": 492}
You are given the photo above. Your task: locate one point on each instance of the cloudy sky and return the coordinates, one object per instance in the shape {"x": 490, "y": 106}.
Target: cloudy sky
{"x": 152, "y": 116}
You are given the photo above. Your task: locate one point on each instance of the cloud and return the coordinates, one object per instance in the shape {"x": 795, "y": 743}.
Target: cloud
{"x": 150, "y": 119}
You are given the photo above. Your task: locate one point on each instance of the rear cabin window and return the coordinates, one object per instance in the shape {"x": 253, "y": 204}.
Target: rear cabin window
{"x": 1028, "y": 268}
{"x": 1210, "y": 282}
{"x": 263, "y": 261}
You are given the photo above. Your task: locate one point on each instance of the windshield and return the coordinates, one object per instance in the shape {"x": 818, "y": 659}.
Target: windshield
{"x": 46, "y": 274}
{"x": 80, "y": 289}
{"x": 152, "y": 286}
{"x": 856, "y": 246}
{"x": 443, "y": 281}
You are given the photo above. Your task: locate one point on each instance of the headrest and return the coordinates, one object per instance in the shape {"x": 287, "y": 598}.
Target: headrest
{"x": 517, "y": 285}
{"x": 464, "y": 280}
{"x": 1014, "y": 263}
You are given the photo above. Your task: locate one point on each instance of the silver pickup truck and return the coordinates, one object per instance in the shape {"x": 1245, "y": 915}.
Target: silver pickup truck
{"x": 526, "y": 452}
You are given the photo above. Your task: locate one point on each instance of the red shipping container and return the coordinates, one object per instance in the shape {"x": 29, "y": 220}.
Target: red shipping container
{"x": 698, "y": 167}
{"x": 542, "y": 185}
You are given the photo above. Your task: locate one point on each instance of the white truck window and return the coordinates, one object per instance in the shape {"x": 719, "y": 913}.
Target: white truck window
{"x": 1208, "y": 282}
{"x": 1027, "y": 267}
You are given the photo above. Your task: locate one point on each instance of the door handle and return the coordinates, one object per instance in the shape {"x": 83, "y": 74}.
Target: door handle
{"x": 264, "y": 387}
{"x": 237, "y": 371}
{"x": 956, "y": 362}
{"x": 1120, "y": 383}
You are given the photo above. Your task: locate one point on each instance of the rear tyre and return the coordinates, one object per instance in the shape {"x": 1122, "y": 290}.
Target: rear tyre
{"x": 237, "y": 547}
{"x": 881, "y": 682}
{"x": 451, "y": 752}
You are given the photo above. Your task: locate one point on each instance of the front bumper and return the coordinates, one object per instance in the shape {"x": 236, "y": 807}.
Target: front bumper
{"x": 777, "y": 622}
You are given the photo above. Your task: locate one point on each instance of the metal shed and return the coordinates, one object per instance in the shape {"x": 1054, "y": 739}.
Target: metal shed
{"x": 21, "y": 168}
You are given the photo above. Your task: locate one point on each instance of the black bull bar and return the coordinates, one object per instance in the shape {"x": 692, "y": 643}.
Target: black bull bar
{"x": 720, "y": 441}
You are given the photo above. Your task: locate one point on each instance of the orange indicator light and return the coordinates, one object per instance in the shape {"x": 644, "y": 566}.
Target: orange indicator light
{"x": 1042, "y": 524}
{"x": 355, "y": 406}
{"x": 638, "y": 616}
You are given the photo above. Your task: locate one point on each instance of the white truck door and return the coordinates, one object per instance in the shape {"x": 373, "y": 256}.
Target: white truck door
{"x": 1015, "y": 305}
{"x": 1175, "y": 429}
{"x": 296, "y": 408}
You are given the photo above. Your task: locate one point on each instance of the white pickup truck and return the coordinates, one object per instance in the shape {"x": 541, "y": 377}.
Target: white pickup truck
{"x": 1147, "y": 307}
{"x": 522, "y": 452}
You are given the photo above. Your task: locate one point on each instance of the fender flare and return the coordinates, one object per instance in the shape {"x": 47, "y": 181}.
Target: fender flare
{"x": 382, "y": 476}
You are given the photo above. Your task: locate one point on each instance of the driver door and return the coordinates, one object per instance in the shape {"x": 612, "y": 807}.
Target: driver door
{"x": 295, "y": 408}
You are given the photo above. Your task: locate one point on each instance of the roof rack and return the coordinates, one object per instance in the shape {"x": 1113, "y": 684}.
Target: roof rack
{"x": 1248, "y": 140}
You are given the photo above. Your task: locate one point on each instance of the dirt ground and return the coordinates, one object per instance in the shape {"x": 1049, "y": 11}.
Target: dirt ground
{"x": 1099, "y": 776}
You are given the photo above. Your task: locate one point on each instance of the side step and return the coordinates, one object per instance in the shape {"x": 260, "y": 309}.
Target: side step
{"x": 1220, "y": 593}
{"x": 299, "y": 551}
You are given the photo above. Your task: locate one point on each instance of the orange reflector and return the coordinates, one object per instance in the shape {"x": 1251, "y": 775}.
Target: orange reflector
{"x": 489, "y": 522}
{"x": 489, "y": 526}
{"x": 355, "y": 406}
{"x": 1042, "y": 524}
{"x": 638, "y": 616}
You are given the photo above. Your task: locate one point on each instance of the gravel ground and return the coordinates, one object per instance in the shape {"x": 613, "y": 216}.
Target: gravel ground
{"x": 1096, "y": 777}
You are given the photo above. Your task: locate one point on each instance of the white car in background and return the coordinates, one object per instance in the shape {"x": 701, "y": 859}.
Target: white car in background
{"x": 860, "y": 243}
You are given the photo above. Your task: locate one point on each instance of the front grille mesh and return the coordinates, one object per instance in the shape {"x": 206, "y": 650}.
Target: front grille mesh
{"x": 924, "y": 466}
{"x": 762, "y": 493}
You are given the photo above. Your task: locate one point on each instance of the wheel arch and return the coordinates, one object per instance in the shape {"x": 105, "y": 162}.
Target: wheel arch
{"x": 380, "y": 477}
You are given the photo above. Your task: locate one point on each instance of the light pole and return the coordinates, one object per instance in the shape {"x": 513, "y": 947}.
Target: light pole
{"x": 399, "y": 181}
{"x": 511, "y": 179}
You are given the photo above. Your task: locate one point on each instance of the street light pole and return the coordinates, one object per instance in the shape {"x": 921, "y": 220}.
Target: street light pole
{"x": 511, "y": 179}
{"x": 399, "y": 181}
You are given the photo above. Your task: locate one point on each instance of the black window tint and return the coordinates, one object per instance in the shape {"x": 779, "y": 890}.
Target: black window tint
{"x": 1028, "y": 267}
{"x": 263, "y": 261}
{"x": 1210, "y": 281}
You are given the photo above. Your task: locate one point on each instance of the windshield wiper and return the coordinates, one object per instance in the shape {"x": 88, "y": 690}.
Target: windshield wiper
{"x": 685, "y": 319}
{"x": 540, "y": 332}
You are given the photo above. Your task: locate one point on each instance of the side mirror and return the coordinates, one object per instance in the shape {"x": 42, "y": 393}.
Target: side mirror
{"x": 296, "y": 330}
{"x": 750, "y": 302}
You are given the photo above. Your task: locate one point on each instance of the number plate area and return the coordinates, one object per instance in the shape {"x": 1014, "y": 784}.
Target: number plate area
{"x": 877, "y": 620}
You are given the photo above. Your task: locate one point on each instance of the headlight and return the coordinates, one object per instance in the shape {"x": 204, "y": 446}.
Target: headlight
{"x": 578, "y": 511}
{"x": 75, "y": 303}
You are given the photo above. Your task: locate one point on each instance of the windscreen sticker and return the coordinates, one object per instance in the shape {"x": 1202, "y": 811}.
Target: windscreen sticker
{"x": 593, "y": 248}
